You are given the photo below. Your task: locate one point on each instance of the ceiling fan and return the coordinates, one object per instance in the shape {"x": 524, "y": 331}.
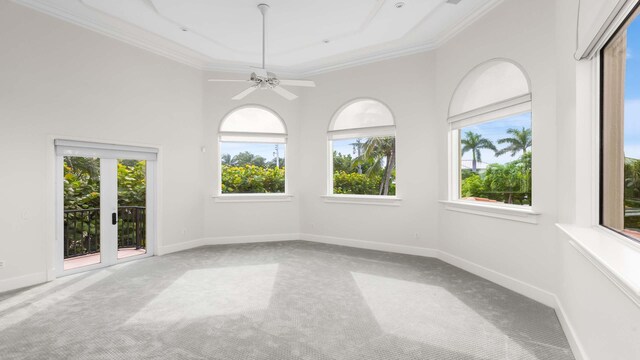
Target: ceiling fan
{"x": 264, "y": 80}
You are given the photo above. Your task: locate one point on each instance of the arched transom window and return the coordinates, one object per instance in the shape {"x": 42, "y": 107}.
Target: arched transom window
{"x": 362, "y": 149}
{"x": 252, "y": 151}
{"x": 490, "y": 123}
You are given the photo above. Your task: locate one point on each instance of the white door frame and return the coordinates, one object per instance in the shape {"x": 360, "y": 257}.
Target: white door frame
{"x": 108, "y": 201}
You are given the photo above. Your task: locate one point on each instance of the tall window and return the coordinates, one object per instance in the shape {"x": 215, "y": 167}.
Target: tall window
{"x": 491, "y": 138}
{"x": 362, "y": 147}
{"x": 620, "y": 130}
{"x": 252, "y": 152}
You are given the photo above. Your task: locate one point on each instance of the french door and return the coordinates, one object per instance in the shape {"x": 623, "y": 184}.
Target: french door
{"x": 105, "y": 204}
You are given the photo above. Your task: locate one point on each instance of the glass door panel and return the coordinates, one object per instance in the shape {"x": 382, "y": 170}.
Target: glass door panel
{"x": 132, "y": 208}
{"x": 81, "y": 216}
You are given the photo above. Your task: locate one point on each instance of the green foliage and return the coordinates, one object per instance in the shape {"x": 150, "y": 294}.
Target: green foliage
{"x": 132, "y": 184}
{"x": 252, "y": 179}
{"x": 509, "y": 183}
{"x": 472, "y": 186}
{"x": 81, "y": 183}
{"x": 371, "y": 173}
{"x": 632, "y": 193}
{"x": 362, "y": 184}
{"x": 343, "y": 163}
{"x": 246, "y": 158}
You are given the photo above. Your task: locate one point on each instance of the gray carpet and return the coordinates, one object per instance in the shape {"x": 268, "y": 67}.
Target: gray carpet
{"x": 285, "y": 300}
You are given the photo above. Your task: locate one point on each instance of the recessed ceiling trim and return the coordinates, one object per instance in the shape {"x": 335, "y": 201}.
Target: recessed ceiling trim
{"x": 176, "y": 52}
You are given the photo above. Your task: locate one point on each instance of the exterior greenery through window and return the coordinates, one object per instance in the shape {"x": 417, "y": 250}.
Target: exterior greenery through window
{"x": 368, "y": 170}
{"x": 363, "y": 149}
{"x": 249, "y": 171}
{"x": 252, "y": 152}
{"x": 620, "y": 130}
{"x": 490, "y": 119}
{"x": 496, "y": 161}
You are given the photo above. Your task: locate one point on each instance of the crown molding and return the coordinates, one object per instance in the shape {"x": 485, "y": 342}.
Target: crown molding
{"x": 180, "y": 54}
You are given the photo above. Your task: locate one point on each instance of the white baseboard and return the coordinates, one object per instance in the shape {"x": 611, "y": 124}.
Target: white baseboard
{"x": 576, "y": 346}
{"x": 22, "y": 281}
{"x": 168, "y": 249}
{"x": 521, "y": 287}
{"x": 371, "y": 245}
{"x": 221, "y": 240}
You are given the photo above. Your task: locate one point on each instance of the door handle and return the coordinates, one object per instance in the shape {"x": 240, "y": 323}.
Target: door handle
{"x": 114, "y": 218}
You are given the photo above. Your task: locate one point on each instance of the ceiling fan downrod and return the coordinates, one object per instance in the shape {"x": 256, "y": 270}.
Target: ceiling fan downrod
{"x": 263, "y": 10}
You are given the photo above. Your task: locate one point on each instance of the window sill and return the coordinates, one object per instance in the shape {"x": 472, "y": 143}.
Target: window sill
{"x": 506, "y": 212}
{"x": 249, "y": 198}
{"x": 617, "y": 257}
{"x": 363, "y": 199}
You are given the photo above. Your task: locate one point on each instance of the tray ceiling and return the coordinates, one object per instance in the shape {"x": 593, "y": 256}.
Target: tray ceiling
{"x": 303, "y": 36}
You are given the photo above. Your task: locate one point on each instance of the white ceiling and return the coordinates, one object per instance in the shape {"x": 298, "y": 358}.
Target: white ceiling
{"x": 225, "y": 35}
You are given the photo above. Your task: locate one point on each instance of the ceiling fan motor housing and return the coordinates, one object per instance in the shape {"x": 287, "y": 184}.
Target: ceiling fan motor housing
{"x": 265, "y": 83}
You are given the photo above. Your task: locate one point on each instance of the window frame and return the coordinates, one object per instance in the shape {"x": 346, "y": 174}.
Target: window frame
{"x": 252, "y": 197}
{"x": 599, "y": 65}
{"x": 377, "y": 131}
{"x": 487, "y": 113}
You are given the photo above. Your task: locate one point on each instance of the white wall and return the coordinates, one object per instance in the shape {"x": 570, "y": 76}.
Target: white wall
{"x": 406, "y": 86}
{"x": 256, "y": 219}
{"x": 57, "y": 79}
{"x": 523, "y": 31}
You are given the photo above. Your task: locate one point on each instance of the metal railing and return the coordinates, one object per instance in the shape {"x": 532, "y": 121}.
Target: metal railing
{"x": 132, "y": 227}
{"x": 82, "y": 230}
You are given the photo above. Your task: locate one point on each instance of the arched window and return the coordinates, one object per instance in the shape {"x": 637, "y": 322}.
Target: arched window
{"x": 362, "y": 149}
{"x": 252, "y": 151}
{"x": 490, "y": 123}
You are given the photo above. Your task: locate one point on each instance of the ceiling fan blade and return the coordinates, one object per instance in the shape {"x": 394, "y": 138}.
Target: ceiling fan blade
{"x": 243, "y": 94}
{"x": 285, "y": 93}
{"x": 305, "y": 83}
{"x": 229, "y": 80}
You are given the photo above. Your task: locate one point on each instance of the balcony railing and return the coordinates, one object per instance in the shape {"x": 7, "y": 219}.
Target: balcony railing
{"x": 82, "y": 230}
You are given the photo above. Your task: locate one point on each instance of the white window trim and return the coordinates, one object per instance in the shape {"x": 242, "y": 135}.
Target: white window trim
{"x": 253, "y": 197}
{"x": 383, "y": 200}
{"x": 513, "y": 212}
{"x": 390, "y": 132}
{"x": 500, "y": 211}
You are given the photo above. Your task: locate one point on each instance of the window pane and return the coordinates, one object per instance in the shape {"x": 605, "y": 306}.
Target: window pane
{"x": 620, "y": 162}
{"x": 364, "y": 166}
{"x": 363, "y": 114}
{"x": 495, "y": 161}
{"x": 253, "y": 120}
{"x": 252, "y": 168}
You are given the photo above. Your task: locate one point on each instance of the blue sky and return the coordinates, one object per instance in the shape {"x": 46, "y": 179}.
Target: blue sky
{"x": 494, "y": 131}
{"x": 344, "y": 147}
{"x": 264, "y": 150}
{"x": 632, "y": 92}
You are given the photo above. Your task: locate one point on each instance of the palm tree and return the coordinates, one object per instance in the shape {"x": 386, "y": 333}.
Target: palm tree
{"x": 520, "y": 140}
{"x": 475, "y": 142}
{"x": 379, "y": 150}
{"x": 226, "y": 159}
